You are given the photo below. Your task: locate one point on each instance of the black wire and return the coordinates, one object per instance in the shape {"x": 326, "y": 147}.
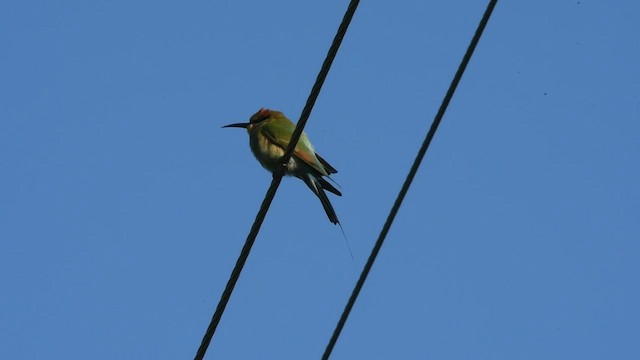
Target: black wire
{"x": 409, "y": 179}
{"x": 277, "y": 177}
{"x": 324, "y": 70}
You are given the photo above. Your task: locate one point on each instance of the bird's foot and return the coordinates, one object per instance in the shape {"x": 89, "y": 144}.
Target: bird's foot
{"x": 280, "y": 170}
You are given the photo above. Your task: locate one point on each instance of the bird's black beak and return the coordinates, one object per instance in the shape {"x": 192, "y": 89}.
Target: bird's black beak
{"x": 239, "y": 125}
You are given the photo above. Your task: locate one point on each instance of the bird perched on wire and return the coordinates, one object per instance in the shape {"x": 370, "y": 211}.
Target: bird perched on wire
{"x": 269, "y": 135}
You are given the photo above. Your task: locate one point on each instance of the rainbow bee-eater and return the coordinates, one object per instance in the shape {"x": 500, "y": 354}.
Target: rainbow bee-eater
{"x": 269, "y": 135}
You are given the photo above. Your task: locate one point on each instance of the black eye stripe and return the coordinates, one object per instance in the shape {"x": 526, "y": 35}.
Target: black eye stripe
{"x": 261, "y": 115}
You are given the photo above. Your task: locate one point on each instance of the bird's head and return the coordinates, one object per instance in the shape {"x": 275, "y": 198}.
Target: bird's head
{"x": 262, "y": 115}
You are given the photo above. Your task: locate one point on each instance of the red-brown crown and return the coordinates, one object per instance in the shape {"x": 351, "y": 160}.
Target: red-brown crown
{"x": 262, "y": 114}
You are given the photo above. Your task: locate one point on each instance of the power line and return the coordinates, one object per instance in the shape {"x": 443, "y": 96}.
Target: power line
{"x": 409, "y": 179}
{"x": 277, "y": 178}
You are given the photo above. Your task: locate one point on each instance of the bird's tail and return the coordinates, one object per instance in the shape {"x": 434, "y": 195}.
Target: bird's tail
{"x": 327, "y": 186}
{"x": 316, "y": 185}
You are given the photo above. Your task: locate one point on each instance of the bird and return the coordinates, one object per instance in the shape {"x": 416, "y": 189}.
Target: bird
{"x": 269, "y": 135}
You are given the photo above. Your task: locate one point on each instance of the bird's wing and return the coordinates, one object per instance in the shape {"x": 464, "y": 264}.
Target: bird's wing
{"x": 281, "y": 135}
{"x": 330, "y": 169}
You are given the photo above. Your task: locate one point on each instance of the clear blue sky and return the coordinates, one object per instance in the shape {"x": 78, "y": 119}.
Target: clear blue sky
{"x": 124, "y": 205}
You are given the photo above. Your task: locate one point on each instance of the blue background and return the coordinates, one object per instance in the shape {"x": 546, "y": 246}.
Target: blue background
{"x": 125, "y": 205}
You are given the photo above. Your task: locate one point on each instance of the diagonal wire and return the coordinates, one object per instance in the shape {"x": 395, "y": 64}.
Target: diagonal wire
{"x": 409, "y": 179}
{"x": 277, "y": 178}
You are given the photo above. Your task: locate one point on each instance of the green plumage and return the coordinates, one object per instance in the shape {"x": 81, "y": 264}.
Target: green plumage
{"x": 269, "y": 135}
